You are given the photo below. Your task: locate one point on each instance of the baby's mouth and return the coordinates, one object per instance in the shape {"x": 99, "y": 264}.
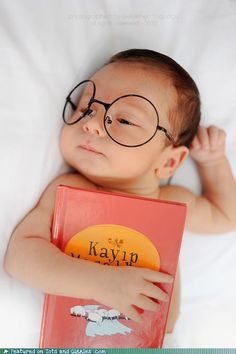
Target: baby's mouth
{"x": 90, "y": 149}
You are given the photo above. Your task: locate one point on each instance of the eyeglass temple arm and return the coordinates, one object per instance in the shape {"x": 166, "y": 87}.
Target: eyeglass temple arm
{"x": 168, "y": 135}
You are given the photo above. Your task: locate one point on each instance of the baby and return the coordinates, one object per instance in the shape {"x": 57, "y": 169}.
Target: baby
{"x": 128, "y": 127}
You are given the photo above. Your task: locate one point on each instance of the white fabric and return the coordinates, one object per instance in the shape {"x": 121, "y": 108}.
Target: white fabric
{"x": 46, "y": 47}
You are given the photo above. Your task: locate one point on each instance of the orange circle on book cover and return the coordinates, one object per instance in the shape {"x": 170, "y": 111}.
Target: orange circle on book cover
{"x": 114, "y": 245}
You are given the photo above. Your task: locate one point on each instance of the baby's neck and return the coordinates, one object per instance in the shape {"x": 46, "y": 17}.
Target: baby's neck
{"x": 148, "y": 192}
{"x": 143, "y": 187}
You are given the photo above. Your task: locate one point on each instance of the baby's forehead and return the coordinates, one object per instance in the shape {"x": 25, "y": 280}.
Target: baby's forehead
{"x": 121, "y": 78}
{"x": 126, "y": 75}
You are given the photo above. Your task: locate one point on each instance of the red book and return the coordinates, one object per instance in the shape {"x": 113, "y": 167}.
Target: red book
{"x": 116, "y": 230}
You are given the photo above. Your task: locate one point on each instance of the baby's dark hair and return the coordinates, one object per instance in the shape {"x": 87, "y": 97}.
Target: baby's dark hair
{"x": 185, "y": 116}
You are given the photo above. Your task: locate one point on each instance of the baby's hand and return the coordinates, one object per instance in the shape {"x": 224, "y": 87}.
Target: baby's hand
{"x": 208, "y": 145}
{"x": 124, "y": 288}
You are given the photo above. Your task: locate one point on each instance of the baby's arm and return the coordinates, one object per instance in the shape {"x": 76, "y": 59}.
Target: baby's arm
{"x": 33, "y": 259}
{"x": 214, "y": 210}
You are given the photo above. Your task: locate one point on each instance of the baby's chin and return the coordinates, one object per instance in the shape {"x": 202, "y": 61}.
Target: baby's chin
{"x": 99, "y": 180}
{"x": 89, "y": 173}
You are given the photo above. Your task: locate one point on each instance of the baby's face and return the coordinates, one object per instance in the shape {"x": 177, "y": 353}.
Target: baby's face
{"x": 86, "y": 145}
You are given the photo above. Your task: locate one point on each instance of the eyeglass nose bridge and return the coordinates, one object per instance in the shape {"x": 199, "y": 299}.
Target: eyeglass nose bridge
{"x": 104, "y": 104}
{"x": 93, "y": 100}
{"x": 107, "y": 119}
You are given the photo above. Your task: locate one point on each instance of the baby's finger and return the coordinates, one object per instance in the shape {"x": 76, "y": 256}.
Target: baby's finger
{"x": 203, "y": 137}
{"x": 145, "y": 303}
{"x": 156, "y": 277}
{"x": 133, "y": 314}
{"x": 222, "y": 137}
{"x": 213, "y": 133}
{"x": 195, "y": 145}
{"x": 152, "y": 290}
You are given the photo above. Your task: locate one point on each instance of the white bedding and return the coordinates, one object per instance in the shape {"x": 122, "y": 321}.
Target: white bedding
{"x": 48, "y": 46}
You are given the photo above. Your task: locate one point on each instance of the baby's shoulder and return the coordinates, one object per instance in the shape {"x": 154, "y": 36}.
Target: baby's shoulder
{"x": 47, "y": 199}
{"x": 177, "y": 193}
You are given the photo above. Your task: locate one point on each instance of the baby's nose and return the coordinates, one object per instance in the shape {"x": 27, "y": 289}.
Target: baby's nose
{"x": 94, "y": 123}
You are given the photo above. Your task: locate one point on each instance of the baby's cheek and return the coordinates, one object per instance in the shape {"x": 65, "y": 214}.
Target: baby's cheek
{"x": 65, "y": 142}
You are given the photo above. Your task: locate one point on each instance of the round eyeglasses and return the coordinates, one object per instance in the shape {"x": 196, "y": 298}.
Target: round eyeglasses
{"x": 130, "y": 120}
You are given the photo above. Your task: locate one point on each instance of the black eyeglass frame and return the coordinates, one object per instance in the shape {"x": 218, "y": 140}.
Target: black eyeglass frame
{"x": 107, "y": 106}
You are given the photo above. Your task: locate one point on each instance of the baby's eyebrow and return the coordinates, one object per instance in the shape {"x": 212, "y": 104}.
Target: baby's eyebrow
{"x": 136, "y": 109}
{"x": 147, "y": 108}
{"x": 84, "y": 97}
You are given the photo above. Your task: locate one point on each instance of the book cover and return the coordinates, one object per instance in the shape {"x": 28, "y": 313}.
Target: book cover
{"x": 114, "y": 230}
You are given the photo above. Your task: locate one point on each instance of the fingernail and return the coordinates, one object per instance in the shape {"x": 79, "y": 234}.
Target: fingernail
{"x": 170, "y": 279}
{"x": 166, "y": 297}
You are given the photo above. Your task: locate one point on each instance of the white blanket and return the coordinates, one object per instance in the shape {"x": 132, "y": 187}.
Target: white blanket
{"x": 46, "y": 47}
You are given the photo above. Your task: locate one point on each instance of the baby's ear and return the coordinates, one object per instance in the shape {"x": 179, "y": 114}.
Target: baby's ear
{"x": 172, "y": 159}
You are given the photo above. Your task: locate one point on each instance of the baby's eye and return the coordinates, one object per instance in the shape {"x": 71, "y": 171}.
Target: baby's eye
{"x": 125, "y": 121}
